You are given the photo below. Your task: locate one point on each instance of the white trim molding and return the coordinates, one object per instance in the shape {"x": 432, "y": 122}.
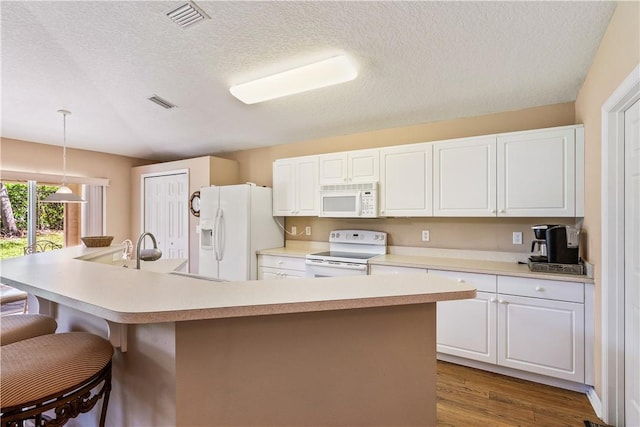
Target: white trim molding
{"x": 612, "y": 286}
{"x": 9, "y": 175}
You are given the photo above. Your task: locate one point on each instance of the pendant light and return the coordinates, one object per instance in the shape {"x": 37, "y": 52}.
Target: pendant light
{"x": 64, "y": 193}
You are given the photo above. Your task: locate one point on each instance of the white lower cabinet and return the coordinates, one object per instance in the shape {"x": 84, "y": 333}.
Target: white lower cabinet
{"x": 467, "y": 328}
{"x": 527, "y": 324}
{"x": 540, "y": 335}
{"x": 280, "y": 267}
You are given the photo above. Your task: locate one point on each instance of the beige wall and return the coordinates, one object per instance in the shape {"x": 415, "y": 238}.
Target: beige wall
{"x": 47, "y": 159}
{"x": 618, "y": 54}
{"x": 461, "y": 233}
{"x": 255, "y": 164}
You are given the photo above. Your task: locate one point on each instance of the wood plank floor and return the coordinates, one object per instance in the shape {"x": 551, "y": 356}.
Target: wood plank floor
{"x": 470, "y": 397}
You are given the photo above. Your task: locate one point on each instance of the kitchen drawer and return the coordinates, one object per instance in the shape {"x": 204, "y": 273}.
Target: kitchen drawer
{"x": 536, "y": 288}
{"x": 482, "y": 282}
{"x": 289, "y": 263}
{"x": 394, "y": 269}
{"x": 279, "y": 273}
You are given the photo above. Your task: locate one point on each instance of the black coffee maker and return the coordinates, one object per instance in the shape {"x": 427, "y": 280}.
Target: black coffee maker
{"x": 557, "y": 244}
{"x": 563, "y": 244}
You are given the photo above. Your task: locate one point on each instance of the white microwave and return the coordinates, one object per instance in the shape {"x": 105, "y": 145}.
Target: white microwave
{"x": 349, "y": 200}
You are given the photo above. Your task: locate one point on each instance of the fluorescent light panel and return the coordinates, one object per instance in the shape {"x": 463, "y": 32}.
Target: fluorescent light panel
{"x": 328, "y": 72}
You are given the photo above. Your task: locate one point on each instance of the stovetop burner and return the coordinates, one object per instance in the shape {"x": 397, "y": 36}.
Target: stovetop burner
{"x": 351, "y": 247}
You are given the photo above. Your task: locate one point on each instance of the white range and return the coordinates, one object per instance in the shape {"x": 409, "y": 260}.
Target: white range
{"x": 349, "y": 251}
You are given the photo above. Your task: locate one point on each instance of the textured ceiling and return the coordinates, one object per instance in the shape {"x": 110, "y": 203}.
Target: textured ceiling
{"x": 418, "y": 62}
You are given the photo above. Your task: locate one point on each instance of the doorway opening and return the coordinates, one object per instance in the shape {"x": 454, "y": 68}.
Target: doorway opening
{"x": 617, "y": 403}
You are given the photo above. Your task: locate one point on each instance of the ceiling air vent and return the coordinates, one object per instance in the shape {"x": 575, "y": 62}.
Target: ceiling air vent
{"x": 162, "y": 102}
{"x": 187, "y": 14}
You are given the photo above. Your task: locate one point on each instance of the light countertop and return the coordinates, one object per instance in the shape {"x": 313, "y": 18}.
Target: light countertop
{"x": 449, "y": 263}
{"x": 126, "y": 295}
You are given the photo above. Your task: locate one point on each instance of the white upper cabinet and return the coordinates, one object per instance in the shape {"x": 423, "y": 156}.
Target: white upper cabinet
{"x": 405, "y": 180}
{"x": 295, "y": 186}
{"x": 464, "y": 177}
{"x": 350, "y": 167}
{"x": 537, "y": 173}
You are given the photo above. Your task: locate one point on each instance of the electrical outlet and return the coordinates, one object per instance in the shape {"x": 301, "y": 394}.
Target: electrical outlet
{"x": 517, "y": 237}
{"x": 294, "y": 229}
{"x": 425, "y": 235}
{"x": 307, "y": 230}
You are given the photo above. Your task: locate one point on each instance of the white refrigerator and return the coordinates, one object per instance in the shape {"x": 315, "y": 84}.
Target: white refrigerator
{"x": 236, "y": 221}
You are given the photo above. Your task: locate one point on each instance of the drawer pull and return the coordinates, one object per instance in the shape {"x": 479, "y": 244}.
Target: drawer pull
{"x": 280, "y": 262}
{"x": 539, "y": 289}
{"x": 460, "y": 280}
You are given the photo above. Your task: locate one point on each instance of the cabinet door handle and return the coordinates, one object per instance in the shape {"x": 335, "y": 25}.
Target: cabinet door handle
{"x": 493, "y": 211}
{"x": 493, "y": 300}
{"x": 539, "y": 289}
{"x": 501, "y": 301}
{"x": 502, "y": 211}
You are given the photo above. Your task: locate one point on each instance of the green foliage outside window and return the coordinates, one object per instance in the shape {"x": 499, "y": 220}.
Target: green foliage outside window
{"x": 50, "y": 216}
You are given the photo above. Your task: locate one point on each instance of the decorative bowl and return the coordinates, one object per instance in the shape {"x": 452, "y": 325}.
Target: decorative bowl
{"x": 96, "y": 241}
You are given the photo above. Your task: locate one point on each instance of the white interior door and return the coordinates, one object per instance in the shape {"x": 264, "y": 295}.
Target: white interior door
{"x": 166, "y": 213}
{"x": 632, "y": 265}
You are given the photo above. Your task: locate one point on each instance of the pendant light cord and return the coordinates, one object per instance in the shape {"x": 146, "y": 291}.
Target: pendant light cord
{"x": 64, "y": 149}
{"x": 64, "y": 145}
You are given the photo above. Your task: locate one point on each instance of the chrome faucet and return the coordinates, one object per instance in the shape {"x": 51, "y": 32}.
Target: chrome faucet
{"x": 147, "y": 254}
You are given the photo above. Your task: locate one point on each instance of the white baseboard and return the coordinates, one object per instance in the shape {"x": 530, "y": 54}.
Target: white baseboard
{"x": 594, "y": 399}
{"x": 516, "y": 373}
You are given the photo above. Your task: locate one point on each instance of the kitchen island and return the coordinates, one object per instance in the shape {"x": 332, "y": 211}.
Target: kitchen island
{"x": 333, "y": 351}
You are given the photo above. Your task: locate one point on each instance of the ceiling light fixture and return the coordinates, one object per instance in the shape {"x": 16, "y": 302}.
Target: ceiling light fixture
{"x": 332, "y": 71}
{"x": 64, "y": 193}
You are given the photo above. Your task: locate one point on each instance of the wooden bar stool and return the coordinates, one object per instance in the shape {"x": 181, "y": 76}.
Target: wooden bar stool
{"x": 18, "y": 327}
{"x": 54, "y": 372}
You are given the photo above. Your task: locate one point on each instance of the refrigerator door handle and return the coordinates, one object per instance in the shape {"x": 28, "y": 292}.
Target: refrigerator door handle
{"x": 216, "y": 232}
{"x": 221, "y": 235}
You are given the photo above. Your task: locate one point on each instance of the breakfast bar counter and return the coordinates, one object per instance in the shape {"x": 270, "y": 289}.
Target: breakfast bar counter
{"x": 333, "y": 351}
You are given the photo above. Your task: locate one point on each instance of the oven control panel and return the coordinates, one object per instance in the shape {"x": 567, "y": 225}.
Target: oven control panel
{"x": 364, "y": 237}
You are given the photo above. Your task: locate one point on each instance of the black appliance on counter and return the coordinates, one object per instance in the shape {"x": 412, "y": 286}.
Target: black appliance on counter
{"x": 561, "y": 244}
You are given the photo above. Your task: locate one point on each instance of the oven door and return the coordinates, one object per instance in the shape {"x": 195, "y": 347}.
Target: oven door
{"x": 320, "y": 269}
